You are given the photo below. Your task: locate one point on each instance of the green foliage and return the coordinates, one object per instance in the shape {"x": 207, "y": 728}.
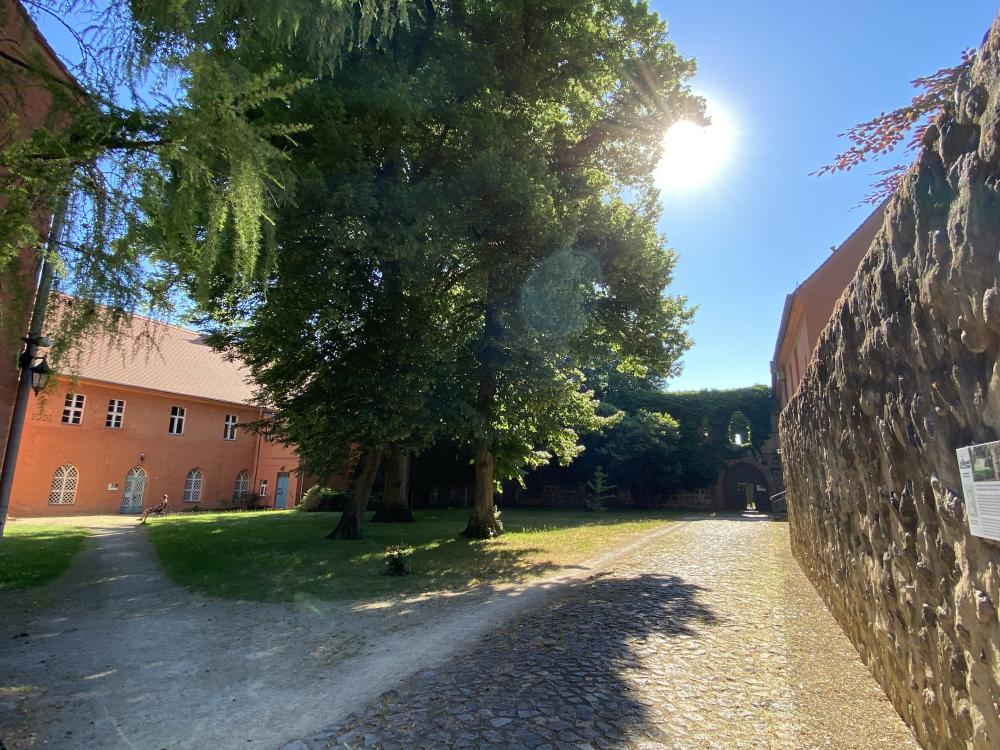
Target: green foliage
{"x": 667, "y": 441}
{"x": 703, "y": 445}
{"x": 600, "y": 491}
{"x": 409, "y": 225}
{"x": 168, "y": 192}
{"x": 470, "y": 232}
{"x": 739, "y": 431}
{"x": 319, "y": 499}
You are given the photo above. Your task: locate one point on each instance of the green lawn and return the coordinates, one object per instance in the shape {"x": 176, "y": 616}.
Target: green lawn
{"x": 34, "y": 554}
{"x": 283, "y": 556}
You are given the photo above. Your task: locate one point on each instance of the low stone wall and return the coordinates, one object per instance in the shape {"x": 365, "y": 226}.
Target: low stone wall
{"x": 703, "y": 499}
{"x": 906, "y": 372}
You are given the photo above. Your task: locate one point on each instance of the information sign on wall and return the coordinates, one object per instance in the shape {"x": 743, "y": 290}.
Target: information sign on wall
{"x": 979, "y": 466}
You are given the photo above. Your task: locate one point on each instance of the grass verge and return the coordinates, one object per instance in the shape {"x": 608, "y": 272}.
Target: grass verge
{"x": 283, "y": 556}
{"x": 34, "y": 554}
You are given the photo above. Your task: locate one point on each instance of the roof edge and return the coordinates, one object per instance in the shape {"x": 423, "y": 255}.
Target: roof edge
{"x": 789, "y": 299}
{"x": 42, "y": 42}
{"x": 158, "y": 391}
{"x": 880, "y": 212}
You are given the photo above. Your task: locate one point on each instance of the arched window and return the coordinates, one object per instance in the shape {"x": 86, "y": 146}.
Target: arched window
{"x": 739, "y": 430}
{"x": 192, "y": 486}
{"x": 241, "y": 490}
{"x": 63, "y": 489}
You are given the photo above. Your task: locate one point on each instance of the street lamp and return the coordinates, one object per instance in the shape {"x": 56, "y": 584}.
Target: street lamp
{"x": 38, "y": 367}
{"x": 40, "y": 375}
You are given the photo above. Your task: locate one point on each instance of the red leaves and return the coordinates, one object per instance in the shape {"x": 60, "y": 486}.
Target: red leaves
{"x": 882, "y": 134}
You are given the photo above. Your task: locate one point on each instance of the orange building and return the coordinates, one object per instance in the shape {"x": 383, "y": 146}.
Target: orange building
{"x": 153, "y": 411}
{"x": 809, "y": 308}
{"x": 28, "y": 95}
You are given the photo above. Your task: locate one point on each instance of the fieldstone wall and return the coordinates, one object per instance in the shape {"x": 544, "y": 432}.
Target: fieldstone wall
{"x": 906, "y": 372}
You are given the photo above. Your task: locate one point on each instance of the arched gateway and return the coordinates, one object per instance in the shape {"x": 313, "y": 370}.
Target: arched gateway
{"x": 744, "y": 486}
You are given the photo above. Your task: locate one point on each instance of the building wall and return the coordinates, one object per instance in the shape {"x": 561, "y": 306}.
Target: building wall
{"x": 274, "y": 459}
{"x": 103, "y": 456}
{"x": 907, "y": 372}
{"x": 23, "y": 93}
{"x": 812, "y": 304}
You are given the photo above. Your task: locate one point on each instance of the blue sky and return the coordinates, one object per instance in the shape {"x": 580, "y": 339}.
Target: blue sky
{"x": 791, "y": 75}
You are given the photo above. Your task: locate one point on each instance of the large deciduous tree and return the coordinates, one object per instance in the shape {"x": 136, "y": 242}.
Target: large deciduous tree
{"x": 357, "y": 337}
{"x": 475, "y": 224}
{"x": 572, "y": 101}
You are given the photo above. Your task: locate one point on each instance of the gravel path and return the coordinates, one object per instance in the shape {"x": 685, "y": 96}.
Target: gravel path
{"x": 709, "y": 638}
{"x": 113, "y": 655}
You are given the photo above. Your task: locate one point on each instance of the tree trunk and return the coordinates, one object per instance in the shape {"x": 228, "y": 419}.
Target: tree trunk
{"x": 395, "y": 506}
{"x": 357, "y": 497}
{"x": 485, "y": 521}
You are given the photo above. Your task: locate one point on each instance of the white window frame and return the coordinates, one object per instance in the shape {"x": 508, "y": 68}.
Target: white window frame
{"x": 241, "y": 488}
{"x": 262, "y": 490}
{"x": 116, "y": 414}
{"x": 177, "y": 416}
{"x": 229, "y": 429}
{"x": 73, "y": 408}
{"x": 65, "y": 480}
{"x": 194, "y": 483}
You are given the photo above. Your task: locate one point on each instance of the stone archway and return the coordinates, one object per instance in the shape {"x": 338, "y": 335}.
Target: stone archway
{"x": 744, "y": 482}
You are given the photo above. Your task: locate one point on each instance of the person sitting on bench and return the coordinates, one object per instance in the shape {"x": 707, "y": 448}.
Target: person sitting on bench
{"x": 159, "y": 510}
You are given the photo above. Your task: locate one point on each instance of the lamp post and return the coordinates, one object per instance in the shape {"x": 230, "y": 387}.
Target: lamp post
{"x": 34, "y": 369}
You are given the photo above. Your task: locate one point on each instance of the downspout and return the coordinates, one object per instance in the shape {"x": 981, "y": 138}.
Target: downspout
{"x": 256, "y": 461}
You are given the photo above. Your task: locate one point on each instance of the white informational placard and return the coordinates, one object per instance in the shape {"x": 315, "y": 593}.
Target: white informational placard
{"x": 979, "y": 466}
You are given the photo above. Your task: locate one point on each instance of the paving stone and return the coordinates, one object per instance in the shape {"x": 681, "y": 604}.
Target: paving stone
{"x": 696, "y": 642}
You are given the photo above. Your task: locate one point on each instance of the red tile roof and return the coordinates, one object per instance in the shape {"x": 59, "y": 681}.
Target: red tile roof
{"x": 162, "y": 357}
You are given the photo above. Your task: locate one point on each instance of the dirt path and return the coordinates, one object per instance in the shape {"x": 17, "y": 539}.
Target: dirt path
{"x": 114, "y": 655}
{"x": 711, "y": 638}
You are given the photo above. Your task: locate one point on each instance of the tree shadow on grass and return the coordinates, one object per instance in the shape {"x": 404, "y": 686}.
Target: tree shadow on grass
{"x": 566, "y": 674}
{"x": 287, "y": 558}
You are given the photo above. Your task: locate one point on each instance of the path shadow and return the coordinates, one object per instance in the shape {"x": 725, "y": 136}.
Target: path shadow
{"x": 569, "y": 673}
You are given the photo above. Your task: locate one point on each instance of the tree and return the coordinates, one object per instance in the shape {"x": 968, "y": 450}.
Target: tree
{"x": 175, "y": 99}
{"x": 666, "y": 441}
{"x": 465, "y": 245}
{"x": 356, "y": 336}
{"x": 395, "y": 506}
{"x": 641, "y": 453}
{"x": 574, "y": 100}
{"x": 600, "y": 491}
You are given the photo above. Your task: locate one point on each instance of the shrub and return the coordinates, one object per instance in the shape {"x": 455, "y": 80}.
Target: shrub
{"x": 397, "y": 560}
{"x": 322, "y": 500}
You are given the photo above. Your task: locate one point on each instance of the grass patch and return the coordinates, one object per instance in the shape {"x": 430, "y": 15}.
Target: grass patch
{"x": 34, "y": 554}
{"x": 283, "y": 556}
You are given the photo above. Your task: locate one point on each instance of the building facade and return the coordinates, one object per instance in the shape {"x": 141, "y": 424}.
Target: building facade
{"x": 808, "y": 309}
{"x": 153, "y": 410}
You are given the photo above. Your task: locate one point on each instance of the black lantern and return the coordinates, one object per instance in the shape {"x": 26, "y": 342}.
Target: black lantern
{"x": 40, "y": 375}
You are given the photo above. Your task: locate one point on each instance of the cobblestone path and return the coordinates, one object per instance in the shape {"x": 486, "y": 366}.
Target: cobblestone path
{"x": 709, "y": 638}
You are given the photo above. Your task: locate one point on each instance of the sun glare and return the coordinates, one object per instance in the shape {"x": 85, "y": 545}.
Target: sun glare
{"x": 693, "y": 155}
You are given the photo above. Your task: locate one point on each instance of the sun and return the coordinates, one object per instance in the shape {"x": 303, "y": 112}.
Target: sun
{"x": 694, "y": 155}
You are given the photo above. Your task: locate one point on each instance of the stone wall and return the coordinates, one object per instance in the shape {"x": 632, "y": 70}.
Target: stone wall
{"x": 906, "y": 372}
